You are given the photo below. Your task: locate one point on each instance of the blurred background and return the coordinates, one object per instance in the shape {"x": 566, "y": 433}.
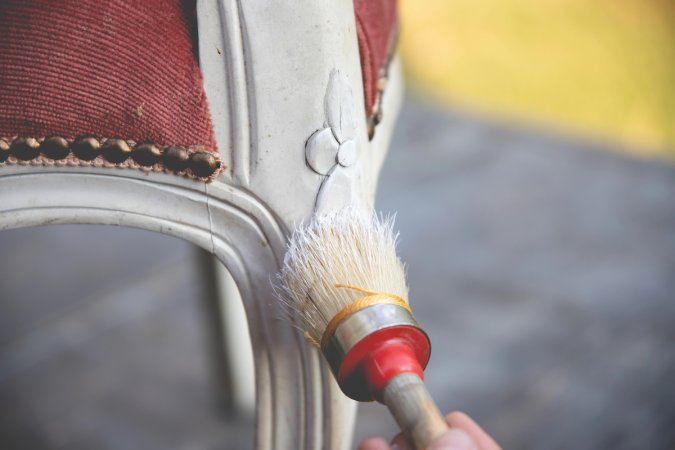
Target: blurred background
{"x": 603, "y": 69}
{"x": 540, "y": 136}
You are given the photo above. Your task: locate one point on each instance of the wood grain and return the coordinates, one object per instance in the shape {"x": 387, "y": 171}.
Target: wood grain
{"x": 409, "y": 402}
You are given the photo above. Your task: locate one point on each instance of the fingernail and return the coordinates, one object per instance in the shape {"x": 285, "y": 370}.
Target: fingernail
{"x": 453, "y": 439}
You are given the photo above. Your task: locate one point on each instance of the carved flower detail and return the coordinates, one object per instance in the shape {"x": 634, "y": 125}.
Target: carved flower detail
{"x": 334, "y": 145}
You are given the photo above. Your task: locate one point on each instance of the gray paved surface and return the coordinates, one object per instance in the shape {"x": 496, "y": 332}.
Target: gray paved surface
{"x": 543, "y": 269}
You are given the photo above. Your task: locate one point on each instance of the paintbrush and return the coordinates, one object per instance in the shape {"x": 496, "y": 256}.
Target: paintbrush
{"x": 344, "y": 286}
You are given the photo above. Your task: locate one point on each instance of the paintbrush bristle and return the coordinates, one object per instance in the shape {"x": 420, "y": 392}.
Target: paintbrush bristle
{"x": 341, "y": 247}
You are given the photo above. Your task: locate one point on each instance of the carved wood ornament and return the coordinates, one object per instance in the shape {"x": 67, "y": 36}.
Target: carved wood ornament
{"x": 333, "y": 149}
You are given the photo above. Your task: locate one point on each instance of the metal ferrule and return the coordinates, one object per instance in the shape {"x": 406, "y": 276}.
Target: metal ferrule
{"x": 360, "y": 324}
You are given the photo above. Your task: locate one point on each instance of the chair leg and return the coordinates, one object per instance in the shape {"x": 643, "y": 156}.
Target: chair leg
{"x": 237, "y": 341}
{"x": 229, "y": 343}
{"x": 216, "y": 350}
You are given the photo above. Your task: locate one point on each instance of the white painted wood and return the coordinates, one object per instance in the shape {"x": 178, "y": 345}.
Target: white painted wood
{"x": 247, "y": 238}
{"x": 391, "y": 104}
{"x": 340, "y": 108}
{"x": 237, "y": 341}
{"x": 290, "y": 50}
{"x": 222, "y": 58}
{"x": 321, "y": 151}
{"x": 267, "y": 67}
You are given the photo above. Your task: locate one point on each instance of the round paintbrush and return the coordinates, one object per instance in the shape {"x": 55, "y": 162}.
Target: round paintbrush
{"x": 344, "y": 285}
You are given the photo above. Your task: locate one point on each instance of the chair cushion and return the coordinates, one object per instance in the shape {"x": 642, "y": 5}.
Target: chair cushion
{"x": 129, "y": 68}
{"x": 376, "y": 23}
{"x": 107, "y": 68}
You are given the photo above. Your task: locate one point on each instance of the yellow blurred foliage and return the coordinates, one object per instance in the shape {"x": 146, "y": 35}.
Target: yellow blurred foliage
{"x": 599, "y": 67}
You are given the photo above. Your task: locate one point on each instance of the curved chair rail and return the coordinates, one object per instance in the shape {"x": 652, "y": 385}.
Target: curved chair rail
{"x": 298, "y": 404}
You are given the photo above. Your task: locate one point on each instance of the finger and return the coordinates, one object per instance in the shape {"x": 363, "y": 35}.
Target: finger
{"x": 463, "y": 422}
{"x": 400, "y": 443}
{"x": 453, "y": 439}
{"x": 374, "y": 444}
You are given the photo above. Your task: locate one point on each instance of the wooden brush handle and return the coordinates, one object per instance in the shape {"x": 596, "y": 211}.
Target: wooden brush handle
{"x": 417, "y": 415}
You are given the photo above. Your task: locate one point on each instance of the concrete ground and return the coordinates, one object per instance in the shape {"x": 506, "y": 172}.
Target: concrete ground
{"x": 543, "y": 269}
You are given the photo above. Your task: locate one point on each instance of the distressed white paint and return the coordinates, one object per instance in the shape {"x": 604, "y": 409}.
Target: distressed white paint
{"x": 267, "y": 66}
{"x": 237, "y": 342}
{"x": 321, "y": 151}
{"x": 340, "y": 108}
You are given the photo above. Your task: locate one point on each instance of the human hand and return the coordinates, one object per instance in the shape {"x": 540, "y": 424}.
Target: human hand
{"x": 464, "y": 434}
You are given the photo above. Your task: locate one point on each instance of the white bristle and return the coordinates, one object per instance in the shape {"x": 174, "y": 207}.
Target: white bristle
{"x": 339, "y": 247}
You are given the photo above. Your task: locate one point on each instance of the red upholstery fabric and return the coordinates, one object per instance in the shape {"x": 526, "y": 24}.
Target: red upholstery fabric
{"x": 376, "y": 28}
{"x": 124, "y": 68}
{"x": 128, "y": 68}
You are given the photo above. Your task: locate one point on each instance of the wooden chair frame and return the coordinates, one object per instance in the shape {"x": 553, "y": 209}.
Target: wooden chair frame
{"x": 268, "y": 66}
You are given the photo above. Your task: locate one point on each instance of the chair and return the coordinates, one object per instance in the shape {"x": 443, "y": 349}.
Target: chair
{"x": 302, "y": 98}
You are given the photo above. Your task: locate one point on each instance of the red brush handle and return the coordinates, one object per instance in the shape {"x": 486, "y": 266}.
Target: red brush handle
{"x": 387, "y": 366}
{"x": 375, "y": 360}
{"x": 387, "y": 360}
